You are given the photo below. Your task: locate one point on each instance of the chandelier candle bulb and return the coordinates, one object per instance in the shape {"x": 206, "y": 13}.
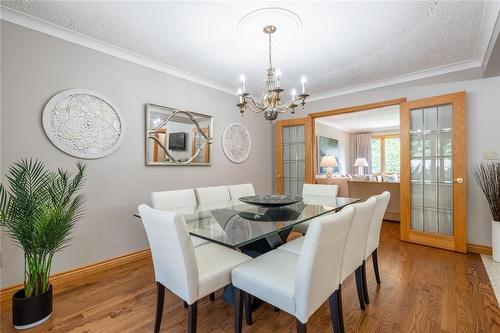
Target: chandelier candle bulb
{"x": 242, "y": 80}
{"x": 303, "y": 80}
{"x": 240, "y": 94}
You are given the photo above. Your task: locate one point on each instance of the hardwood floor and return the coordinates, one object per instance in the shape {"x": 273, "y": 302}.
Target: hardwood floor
{"x": 423, "y": 290}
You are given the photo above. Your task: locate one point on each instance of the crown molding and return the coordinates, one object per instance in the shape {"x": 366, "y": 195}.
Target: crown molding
{"x": 424, "y": 74}
{"x": 49, "y": 28}
{"x": 489, "y": 31}
{"x": 492, "y": 17}
{"x": 488, "y": 34}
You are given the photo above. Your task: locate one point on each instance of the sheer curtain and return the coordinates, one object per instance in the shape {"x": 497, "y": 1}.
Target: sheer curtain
{"x": 361, "y": 148}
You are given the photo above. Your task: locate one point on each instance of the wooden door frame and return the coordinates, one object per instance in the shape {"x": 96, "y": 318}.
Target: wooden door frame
{"x": 334, "y": 112}
{"x": 308, "y": 158}
{"x": 457, "y": 242}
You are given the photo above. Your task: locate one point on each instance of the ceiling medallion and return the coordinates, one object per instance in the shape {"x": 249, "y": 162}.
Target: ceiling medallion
{"x": 271, "y": 102}
{"x": 250, "y": 25}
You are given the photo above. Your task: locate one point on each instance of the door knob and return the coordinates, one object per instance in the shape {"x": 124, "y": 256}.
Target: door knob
{"x": 459, "y": 180}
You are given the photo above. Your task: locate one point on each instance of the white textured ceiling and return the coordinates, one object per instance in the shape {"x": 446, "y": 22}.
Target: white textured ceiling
{"x": 341, "y": 44}
{"x": 374, "y": 120}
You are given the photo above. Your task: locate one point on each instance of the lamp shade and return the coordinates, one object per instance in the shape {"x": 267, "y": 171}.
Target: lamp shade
{"x": 361, "y": 162}
{"x": 328, "y": 162}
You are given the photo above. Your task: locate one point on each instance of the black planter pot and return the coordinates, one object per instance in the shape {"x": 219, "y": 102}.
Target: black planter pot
{"x": 28, "y": 312}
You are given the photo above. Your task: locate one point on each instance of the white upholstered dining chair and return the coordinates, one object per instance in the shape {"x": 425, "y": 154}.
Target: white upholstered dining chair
{"x": 298, "y": 283}
{"x": 354, "y": 249}
{"x": 176, "y": 201}
{"x": 355, "y": 246}
{"x": 373, "y": 239}
{"x": 315, "y": 191}
{"x": 240, "y": 190}
{"x": 322, "y": 190}
{"x": 214, "y": 194}
{"x": 190, "y": 273}
{"x": 166, "y": 200}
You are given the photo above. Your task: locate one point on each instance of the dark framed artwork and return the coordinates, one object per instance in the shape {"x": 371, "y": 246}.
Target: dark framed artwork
{"x": 327, "y": 147}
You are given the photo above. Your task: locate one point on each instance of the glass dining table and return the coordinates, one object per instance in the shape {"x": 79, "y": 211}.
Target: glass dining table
{"x": 254, "y": 229}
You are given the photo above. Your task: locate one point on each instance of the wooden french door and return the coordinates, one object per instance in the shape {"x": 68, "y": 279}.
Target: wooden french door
{"x": 433, "y": 172}
{"x": 293, "y": 155}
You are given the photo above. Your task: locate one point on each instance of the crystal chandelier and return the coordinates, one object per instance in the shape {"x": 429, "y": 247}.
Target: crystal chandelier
{"x": 271, "y": 102}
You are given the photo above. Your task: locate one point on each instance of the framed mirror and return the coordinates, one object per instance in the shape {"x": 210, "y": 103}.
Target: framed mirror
{"x": 177, "y": 137}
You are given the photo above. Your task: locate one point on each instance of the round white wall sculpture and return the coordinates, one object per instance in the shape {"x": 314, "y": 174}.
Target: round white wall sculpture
{"x": 83, "y": 123}
{"x": 236, "y": 142}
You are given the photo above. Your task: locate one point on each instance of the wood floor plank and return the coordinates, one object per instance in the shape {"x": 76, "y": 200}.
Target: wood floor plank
{"x": 423, "y": 290}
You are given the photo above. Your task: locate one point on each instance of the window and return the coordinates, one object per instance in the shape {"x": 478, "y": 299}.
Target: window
{"x": 376, "y": 156}
{"x": 385, "y": 154}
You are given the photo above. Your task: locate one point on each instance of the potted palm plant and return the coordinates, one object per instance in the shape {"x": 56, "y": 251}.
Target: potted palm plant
{"x": 488, "y": 177}
{"x": 38, "y": 211}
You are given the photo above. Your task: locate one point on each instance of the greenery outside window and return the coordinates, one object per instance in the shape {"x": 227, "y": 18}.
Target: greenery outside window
{"x": 385, "y": 154}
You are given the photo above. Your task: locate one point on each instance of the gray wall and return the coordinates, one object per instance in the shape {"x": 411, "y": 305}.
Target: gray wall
{"x": 344, "y": 145}
{"x": 483, "y": 123}
{"x": 35, "y": 67}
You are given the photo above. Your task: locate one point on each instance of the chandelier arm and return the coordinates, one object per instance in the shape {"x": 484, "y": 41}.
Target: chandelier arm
{"x": 252, "y": 105}
{"x": 285, "y": 107}
{"x": 254, "y": 109}
{"x": 260, "y": 106}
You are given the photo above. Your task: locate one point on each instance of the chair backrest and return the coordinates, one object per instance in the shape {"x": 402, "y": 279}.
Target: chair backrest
{"x": 320, "y": 190}
{"x": 376, "y": 224}
{"x": 357, "y": 236}
{"x": 208, "y": 195}
{"x": 174, "y": 259}
{"x": 241, "y": 190}
{"x": 173, "y": 199}
{"x": 318, "y": 269}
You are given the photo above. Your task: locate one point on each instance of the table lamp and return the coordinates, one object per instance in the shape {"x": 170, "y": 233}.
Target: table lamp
{"x": 361, "y": 163}
{"x": 328, "y": 162}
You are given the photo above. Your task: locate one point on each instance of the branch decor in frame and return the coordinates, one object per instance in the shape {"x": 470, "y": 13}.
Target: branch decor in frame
{"x": 177, "y": 137}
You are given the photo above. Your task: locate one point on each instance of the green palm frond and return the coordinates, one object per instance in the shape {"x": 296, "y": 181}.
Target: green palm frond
{"x": 38, "y": 212}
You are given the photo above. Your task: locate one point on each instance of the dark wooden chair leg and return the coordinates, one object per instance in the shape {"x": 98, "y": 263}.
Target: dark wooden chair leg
{"x": 359, "y": 287}
{"x": 375, "y": 265}
{"x": 238, "y": 310}
{"x": 248, "y": 308}
{"x": 160, "y": 297}
{"x": 185, "y": 304}
{"x": 192, "y": 317}
{"x": 339, "y": 308}
{"x": 365, "y": 283}
{"x": 211, "y": 297}
{"x": 334, "y": 311}
{"x": 301, "y": 327}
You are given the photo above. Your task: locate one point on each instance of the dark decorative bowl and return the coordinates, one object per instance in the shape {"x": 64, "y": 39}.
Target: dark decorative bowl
{"x": 271, "y": 200}
{"x": 274, "y": 214}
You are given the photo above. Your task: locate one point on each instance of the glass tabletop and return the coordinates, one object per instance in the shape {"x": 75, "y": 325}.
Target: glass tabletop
{"x": 235, "y": 224}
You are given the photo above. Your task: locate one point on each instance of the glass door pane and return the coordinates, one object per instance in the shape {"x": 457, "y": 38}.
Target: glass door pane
{"x": 293, "y": 159}
{"x": 431, "y": 169}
